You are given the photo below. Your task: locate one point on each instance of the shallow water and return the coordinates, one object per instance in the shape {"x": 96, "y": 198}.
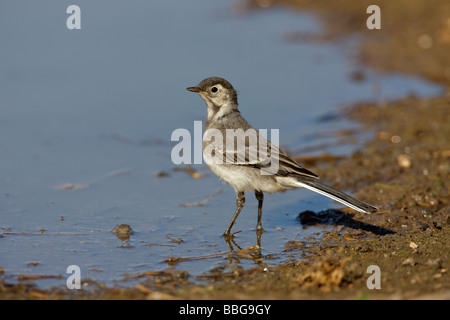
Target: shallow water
{"x": 95, "y": 108}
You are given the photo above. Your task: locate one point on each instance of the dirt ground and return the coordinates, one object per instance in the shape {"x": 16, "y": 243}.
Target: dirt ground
{"x": 404, "y": 170}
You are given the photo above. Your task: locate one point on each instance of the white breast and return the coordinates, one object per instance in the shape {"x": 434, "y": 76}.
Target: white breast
{"x": 244, "y": 178}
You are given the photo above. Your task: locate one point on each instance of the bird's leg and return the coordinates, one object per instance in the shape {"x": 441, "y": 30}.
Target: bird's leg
{"x": 240, "y": 200}
{"x": 260, "y": 197}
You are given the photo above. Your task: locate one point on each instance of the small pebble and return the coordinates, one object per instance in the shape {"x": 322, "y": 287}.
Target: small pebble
{"x": 412, "y": 245}
{"x": 409, "y": 262}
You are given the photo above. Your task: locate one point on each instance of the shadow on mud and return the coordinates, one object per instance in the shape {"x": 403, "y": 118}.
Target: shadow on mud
{"x": 338, "y": 217}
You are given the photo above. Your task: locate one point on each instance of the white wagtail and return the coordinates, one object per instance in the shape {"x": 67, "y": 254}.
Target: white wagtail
{"x": 251, "y": 171}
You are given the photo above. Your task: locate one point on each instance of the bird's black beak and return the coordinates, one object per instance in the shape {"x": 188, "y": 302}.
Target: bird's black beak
{"x": 193, "y": 89}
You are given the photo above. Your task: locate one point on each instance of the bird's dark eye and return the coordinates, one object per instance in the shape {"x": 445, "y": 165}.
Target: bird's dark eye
{"x": 214, "y": 89}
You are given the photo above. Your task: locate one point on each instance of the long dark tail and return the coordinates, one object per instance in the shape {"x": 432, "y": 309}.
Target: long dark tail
{"x": 337, "y": 195}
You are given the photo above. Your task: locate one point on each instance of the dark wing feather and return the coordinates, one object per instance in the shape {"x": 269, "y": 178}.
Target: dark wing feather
{"x": 259, "y": 153}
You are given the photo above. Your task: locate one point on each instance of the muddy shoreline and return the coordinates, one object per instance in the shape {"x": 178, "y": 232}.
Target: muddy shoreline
{"x": 404, "y": 170}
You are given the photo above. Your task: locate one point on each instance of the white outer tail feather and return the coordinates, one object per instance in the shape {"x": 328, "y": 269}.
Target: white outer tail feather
{"x": 332, "y": 196}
